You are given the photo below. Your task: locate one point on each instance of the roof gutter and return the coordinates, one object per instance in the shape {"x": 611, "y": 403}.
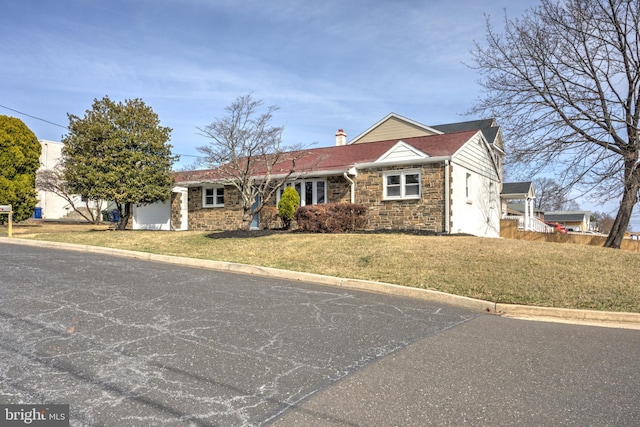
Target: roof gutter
{"x": 425, "y": 160}
{"x": 293, "y": 176}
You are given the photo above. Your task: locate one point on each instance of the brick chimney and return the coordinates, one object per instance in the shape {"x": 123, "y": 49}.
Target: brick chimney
{"x": 341, "y": 138}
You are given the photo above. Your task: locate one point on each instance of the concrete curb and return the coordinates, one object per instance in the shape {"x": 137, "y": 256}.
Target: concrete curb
{"x": 590, "y": 317}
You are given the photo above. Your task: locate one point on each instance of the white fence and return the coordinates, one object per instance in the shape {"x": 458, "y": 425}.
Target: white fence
{"x": 534, "y": 224}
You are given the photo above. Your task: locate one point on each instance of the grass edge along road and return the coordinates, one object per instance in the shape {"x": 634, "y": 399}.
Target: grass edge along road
{"x": 498, "y": 270}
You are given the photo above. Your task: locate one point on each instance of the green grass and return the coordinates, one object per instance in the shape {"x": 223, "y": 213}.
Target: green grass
{"x": 504, "y": 271}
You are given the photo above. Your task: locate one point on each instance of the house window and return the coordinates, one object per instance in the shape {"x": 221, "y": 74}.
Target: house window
{"x": 467, "y": 186}
{"x": 212, "y": 197}
{"x": 311, "y": 192}
{"x": 402, "y": 185}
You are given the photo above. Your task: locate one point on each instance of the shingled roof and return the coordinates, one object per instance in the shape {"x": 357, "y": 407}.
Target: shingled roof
{"x": 515, "y": 188}
{"x": 339, "y": 159}
{"x": 488, "y": 127}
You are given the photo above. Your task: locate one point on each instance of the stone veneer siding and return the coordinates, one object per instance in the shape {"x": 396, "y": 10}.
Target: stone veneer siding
{"x": 176, "y": 210}
{"x": 426, "y": 213}
{"x": 228, "y": 217}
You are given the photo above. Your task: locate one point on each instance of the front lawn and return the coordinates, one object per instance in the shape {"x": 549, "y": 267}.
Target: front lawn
{"x": 498, "y": 270}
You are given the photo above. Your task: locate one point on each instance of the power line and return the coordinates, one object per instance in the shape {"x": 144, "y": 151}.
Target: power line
{"x": 64, "y": 127}
{"x": 33, "y": 117}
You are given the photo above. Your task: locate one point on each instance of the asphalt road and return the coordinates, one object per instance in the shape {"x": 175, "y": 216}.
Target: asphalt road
{"x": 134, "y": 343}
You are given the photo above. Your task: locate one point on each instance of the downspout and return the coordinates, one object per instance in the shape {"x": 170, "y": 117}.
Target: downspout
{"x": 447, "y": 201}
{"x": 352, "y": 185}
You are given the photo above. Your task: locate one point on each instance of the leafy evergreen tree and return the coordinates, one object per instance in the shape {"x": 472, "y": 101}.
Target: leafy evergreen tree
{"x": 19, "y": 161}
{"x": 289, "y": 202}
{"x": 119, "y": 152}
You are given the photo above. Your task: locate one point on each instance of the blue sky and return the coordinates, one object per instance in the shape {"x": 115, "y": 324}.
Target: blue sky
{"x": 328, "y": 65}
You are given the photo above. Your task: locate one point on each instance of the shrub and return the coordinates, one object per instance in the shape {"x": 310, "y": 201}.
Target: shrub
{"x": 19, "y": 161}
{"x": 289, "y": 202}
{"x": 331, "y": 218}
{"x": 268, "y": 217}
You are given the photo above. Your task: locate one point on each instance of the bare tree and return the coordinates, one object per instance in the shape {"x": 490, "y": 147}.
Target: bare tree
{"x": 603, "y": 220}
{"x": 52, "y": 180}
{"x": 565, "y": 82}
{"x": 551, "y": 196}
{"x": 244, "y": 149}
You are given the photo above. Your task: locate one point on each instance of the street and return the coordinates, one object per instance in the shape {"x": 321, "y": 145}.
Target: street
{"x": 126, "y": 342}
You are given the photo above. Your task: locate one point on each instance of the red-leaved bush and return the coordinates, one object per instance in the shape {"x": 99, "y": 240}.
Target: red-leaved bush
{"x": 331, "y": 218}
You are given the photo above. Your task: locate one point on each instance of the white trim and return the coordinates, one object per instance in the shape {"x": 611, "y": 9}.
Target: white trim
{"x": 215, "y": 196}
{"x": 292, "y": 177}
{"x": 402, "y": 184}
{"x": 401, "y": 148}
{"x": 302, "y": 192}
{"x": 423, "y": 161}
{"x": 447, "y": 197}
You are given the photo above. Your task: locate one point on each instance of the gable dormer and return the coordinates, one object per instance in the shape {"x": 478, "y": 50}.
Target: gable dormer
{"x": 401, "y": 152}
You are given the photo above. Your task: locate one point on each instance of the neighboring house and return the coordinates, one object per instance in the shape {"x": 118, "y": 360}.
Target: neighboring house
{"x": 50, "y": 205}
{"x": 517, "y": 203}
{"x": 444, "y": 179}
{"x": 572, "y": 220}
{"x": 155, "y": 216}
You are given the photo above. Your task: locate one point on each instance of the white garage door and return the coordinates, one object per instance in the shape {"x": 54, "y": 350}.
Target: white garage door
{"x": 156, "y": 216}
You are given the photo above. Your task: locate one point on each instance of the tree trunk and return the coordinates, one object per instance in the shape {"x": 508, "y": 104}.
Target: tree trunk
{"x": 247, "y": 218}
{"x": 621, "y": 223}
{"x": 124, "y": 211}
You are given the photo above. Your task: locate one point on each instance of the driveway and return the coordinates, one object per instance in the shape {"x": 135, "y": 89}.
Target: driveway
{"x": 129, "y": 343}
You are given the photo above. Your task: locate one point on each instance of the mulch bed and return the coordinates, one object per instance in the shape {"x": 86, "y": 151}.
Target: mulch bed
{"x": 245, "y": 234}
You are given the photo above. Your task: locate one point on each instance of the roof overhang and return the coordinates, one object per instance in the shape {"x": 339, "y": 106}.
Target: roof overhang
{"x": 416, "y": 161}
{"x": 292, "y": 176}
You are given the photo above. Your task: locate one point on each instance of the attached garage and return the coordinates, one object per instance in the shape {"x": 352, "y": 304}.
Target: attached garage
{"x": 156, "y": 216}
{"x": 167, "y": 215}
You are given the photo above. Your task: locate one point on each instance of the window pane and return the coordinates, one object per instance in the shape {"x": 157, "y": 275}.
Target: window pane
{"x": 320, "y": 191}
{"x": 411, "y": 179}
{"x": 299, "y": 190}
{"x": 208, "y": 196}
{"x": 393, "y": 179}
{"x": 308, "y": 192}
{"x": 393, "y": 191}
{"x": 412, "y": 190}
{"x": 220, "y": 196}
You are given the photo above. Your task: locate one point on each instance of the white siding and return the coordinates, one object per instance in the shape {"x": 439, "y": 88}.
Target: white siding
{"x": 155, "y": 216}
{"x": 401, "y": 151}
{"x": 479, "y": 212}
{"x": 53, "y": 206}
